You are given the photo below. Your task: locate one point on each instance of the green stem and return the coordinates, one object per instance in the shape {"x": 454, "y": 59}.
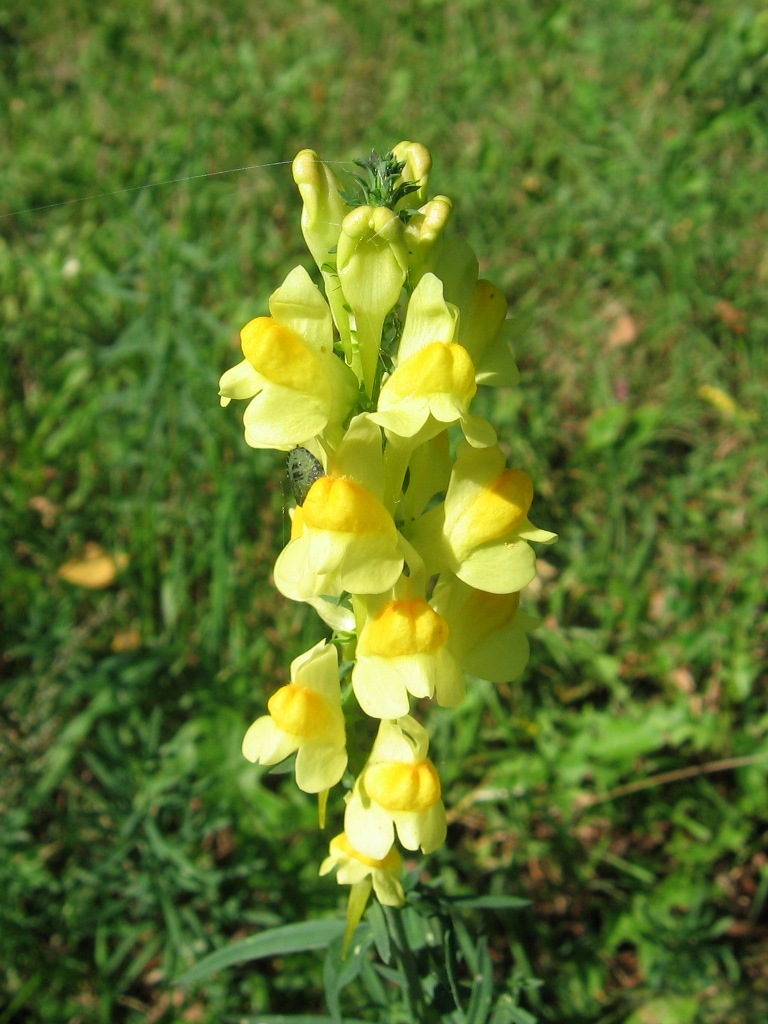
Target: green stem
{"x": 414, "y": 997}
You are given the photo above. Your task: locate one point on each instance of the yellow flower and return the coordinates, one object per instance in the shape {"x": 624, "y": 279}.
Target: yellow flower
{"x": 482, "y": 309}
{"x": 343, "y": 538}
{"x": 434, "y": 381}
{"x": 355, "y": 867}
{"x": 480, "y": 532}
{"x": 323, "y": 210}
{"x": 348, "y": 542}
{"x": 298, "y": 387}
{"x": 483, "y": 332}
{"x": 423, "y": 230}
{"x": 487, "y": 631}
{"x": 417, "y": 161}
{"x": 398, "y": 790}
{"x": 372, "y": 263}
{"x": 450, "y": 259}
{"x": 305, "y": 717}
{"x": 403, "y": 649}
{"x": 321, "y": 219}
{"x": 429, "y": 470}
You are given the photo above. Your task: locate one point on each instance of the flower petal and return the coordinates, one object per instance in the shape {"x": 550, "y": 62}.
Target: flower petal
{"x": 319, "y": 766}
{"x": 370, "y": 829}
{"x": 264, "y": 743}
{"x": 240, "y": 381}
{"x": 499, "y": 568}
{"x": 380, "y": 690}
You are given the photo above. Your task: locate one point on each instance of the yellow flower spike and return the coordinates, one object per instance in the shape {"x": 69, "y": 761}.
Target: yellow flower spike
{"x": 372, "y": 262}
{"x": 397, "y": 791}
{"x": 402, "y": 649}
{"x": 321, "y": 219}
{"x": 362, "y": 549}
{"x": 488, "y": 632}
{"x": 359, "y": 870}
{"x": 480, "y": 531}
{"x": 305, "y": 717}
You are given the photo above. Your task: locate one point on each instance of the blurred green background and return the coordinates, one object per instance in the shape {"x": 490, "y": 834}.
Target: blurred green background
{"x": 609, "y": 163}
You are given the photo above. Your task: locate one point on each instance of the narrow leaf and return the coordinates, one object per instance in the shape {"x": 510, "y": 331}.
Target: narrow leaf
{"x": 491, "y": 902}
{"x": 291, "y": 938}
{"x": 481, "y": 999}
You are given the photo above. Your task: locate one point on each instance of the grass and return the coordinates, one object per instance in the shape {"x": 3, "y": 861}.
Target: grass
{"x": 605, "y": 161}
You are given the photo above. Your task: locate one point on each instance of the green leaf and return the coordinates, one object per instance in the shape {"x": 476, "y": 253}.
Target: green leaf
{"x": 666, "y": 1010}
{"x": 380, "y": 932}
{"x": 69, "y": 740}
{"x": 299, "y": 1018}
{"x": 480, "y": 1001}
{"x": 451, "y": 965}
{"x": 605, "y": 427}
{"x": 491, "y": 902}
{"x": 339, "y": 970}
{"x": 292, "y": 938}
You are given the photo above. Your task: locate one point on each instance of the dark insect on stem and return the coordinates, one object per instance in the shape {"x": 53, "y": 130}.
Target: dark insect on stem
{"x": 303, "y": 470}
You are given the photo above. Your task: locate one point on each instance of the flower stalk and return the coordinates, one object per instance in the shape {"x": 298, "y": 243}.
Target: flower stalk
{"x": 410, "y": 536}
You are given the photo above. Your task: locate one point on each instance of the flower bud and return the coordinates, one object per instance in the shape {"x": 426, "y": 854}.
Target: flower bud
{"x": 372, "y": 262}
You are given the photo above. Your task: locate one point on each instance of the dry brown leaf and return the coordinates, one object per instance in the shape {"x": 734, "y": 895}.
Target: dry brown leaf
{"x": 127, "y": 640}
{"x": 623, "y": 329}
{"x": 45, "y": 508}
{"x": 733, "y": 318}
{"x": 623, "y": 332}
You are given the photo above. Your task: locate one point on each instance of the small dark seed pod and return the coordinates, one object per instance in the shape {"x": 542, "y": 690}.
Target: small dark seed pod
{"x": 303, "y": 470}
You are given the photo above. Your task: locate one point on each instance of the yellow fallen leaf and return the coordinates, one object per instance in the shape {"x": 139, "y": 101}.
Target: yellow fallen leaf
{"x": 727, "y": 405}
{"x": 96, "y": 569}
